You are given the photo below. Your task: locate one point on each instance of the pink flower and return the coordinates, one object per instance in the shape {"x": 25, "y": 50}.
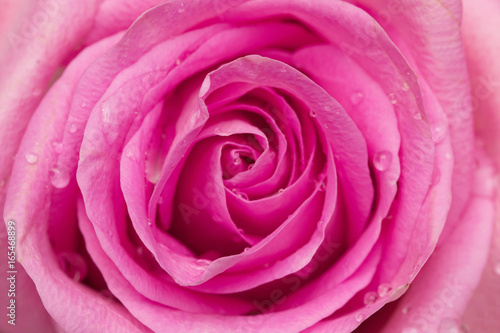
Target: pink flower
{"x": 249, "y": 166}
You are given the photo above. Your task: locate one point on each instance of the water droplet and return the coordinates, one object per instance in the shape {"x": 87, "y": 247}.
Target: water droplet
{"x": 405, "y": 86}
{"x": 243, "y": 195}
{"x": 58, "y": 178}
{"x": 384, "y": 289}
{"x": 31, "y": 158}
{"x": 417, "y": 116}
{"x": 322, "y": 186}
{"x": 241, "y": 231}
{"x": 181, "y": 8}
{"x": 449, "y": 325}
{"x": 204, "y": 262}
{"x": 328, "y": 107}
{"x": 283, "y": 69}
{"x": 382, "y": 160}
{"x": 57, "y": 146}
{"x": 160, "y": 200}
{"x": 438, "y": 132}
{"x": 392, "y": 98}
{"x": 497, "y": 268}
{"x": 73, "y": 128}
{"x": 73, "y": 265}
{"x": 359, "y": 317}
{"x": 281, "y": 190}
{"x": 406, "y": 309}
{"x": 246, "y": 249}
{"x": 237, "y": 161}
{"x": 357, "y": 98}
{"x": 178, "y": 62}
{"x": 312, "y": 113}
{"x": 250, "y": 167}
{"x": 370, "y": 297}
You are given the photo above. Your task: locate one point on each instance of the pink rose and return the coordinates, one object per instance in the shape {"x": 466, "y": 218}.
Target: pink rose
{"x": 249, "y": 166}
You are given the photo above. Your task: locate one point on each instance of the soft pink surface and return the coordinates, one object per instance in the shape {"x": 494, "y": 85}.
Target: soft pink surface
{"x": 373, "y": 159}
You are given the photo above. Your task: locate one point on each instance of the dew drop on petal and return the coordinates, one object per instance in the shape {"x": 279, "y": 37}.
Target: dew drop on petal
{"x": 417, "y": 116}
{"x": 384, "y": 289}
{"x": 382, "y": 160}
{"x": 31, "y": 158}
{"x": 328, "y": 107}
{"x": 204, "y": 262}
{"x": 160, "y": 200}
{"x": 392, "y": 98}
{"x": 243, "y": 195}
{"x": 73, "y": 264}
{"x": 359, "y": 317}
{"x": 405, "y": 86}
{"x": 58, "y": 178}
{"x": 73, "y": 128}
{"x": 406, "y": 309}
{"x": 57, "y": 146}
{"x": 438, "y": 132}
{"x": 370, "y": 297}
{"x": 281, "y": 190}
{"x": 181, "y": 8}
{"x": 312, "y": 113}
{"x": 237, "y": 161}
{"x": 357, "y": 98}
{"x": 246, "y": 249}
{"x": 149, "y": 221}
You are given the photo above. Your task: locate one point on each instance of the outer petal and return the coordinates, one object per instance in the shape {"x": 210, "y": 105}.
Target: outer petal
{"x": 38, "y": 42}
{"x": 439, "y": 295}
{"x": 482, "y": 47}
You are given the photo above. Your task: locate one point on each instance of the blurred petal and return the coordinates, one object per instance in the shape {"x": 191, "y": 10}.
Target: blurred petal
{"x": 482, "y": 48}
